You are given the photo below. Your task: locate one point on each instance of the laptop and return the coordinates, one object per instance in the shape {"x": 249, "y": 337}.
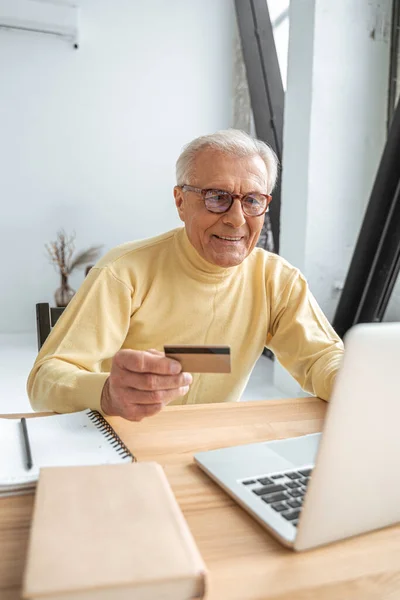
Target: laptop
{"x": 316, "y": 489}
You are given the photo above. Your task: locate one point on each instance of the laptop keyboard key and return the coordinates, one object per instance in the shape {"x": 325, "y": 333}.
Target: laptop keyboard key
{"x": 294, "y": 503}
{"x": 305, "y": 472}
{"x": 293, "y": 475}
{"x": 268, "y": 489}
{"x": 277, "y": 476}
{"x": 271, "y": 498}
{"x": 292, "y": 484}
{"x": 265, "y": 481}
{"x": 279, "y": 507}
{"x": 291, "y": 516}
{"x": 295, "y": 493}
{"x": 249, "y": 482}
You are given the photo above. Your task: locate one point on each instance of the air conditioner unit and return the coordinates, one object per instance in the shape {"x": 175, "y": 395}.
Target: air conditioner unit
{"x": 41, "y": 16}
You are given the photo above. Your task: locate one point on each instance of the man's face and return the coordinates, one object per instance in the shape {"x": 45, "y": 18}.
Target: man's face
{"x": 208, "y": 231}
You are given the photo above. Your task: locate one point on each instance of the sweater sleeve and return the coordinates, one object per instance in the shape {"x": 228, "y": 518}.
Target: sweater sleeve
{"x": 303, "y": 340}
{"x": 74, "y": 362}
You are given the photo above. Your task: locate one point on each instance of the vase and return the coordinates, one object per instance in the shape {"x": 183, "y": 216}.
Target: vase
{"x": 64, "y": 293}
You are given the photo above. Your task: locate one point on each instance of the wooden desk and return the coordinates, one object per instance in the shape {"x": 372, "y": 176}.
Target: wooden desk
{"x": 244, "y": 561}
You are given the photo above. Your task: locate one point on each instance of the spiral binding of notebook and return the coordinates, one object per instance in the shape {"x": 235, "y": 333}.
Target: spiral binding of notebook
{"x": 110, "y": 435}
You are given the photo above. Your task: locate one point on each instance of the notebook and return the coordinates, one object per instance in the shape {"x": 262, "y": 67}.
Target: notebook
{"x": 110, "y": 533}
{"x": 80, "y": 438}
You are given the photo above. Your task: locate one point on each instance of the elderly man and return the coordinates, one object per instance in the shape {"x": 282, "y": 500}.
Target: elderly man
{"x": 205, "y": 283}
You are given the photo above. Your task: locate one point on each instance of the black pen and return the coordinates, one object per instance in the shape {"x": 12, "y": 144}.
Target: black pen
{"x": 27, "y": 446}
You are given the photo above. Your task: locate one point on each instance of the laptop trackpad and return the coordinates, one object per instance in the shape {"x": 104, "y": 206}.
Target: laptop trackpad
{"x": 299, "y": 451}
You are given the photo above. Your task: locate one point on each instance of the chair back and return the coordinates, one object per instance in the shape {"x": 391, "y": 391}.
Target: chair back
{"x": 46, "y": 317}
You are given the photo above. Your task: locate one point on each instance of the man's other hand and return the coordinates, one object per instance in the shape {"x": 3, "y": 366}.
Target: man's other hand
{"x": 141, "y": 383}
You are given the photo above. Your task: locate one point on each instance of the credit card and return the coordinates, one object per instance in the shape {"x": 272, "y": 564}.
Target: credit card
{"x": 201, "y": 359}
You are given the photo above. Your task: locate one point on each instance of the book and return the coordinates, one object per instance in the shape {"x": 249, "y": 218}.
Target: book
{"x": 80, "y": 438}
{"x": 111, "y": 532}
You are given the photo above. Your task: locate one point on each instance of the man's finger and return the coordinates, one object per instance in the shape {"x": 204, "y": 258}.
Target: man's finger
{"x": 142, "y": 361}
{"x": 152, "y": 381}
{"x": 132, "y": 396}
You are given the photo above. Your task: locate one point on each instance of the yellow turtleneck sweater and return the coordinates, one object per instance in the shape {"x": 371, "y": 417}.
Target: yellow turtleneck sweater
{"x": 160, "y": 291}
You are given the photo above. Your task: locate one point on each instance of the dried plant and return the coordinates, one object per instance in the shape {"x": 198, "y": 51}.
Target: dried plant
{"x": 61, "y": 254}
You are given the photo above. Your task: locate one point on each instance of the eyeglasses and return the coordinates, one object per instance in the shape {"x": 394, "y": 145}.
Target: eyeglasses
{"x": 218, "y": 201}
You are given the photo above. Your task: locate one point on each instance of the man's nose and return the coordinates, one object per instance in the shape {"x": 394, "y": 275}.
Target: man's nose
{"x": 234, "y": 217}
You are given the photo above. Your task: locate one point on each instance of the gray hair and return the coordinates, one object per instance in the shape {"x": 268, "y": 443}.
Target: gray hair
{"x": 230, "y": 141}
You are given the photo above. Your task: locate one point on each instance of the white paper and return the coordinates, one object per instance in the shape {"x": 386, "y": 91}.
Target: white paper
{"x": 56, "y": 440}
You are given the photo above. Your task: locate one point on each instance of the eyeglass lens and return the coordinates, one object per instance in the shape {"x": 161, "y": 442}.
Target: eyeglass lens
{"x": 253, "y": 204}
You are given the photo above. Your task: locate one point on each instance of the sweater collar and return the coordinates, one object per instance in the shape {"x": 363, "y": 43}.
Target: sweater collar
{"x": 196, "y": 265}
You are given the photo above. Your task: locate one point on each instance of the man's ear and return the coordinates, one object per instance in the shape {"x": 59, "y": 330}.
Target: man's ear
{"x": 179, "y": 202}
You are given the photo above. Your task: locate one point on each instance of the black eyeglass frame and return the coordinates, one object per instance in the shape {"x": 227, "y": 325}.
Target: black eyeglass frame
{"x": 241, "y": 197}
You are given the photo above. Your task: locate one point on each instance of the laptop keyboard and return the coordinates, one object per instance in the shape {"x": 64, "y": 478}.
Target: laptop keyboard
{"x": 283, "y": 492}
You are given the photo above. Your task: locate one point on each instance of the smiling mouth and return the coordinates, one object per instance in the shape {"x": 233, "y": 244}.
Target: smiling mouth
{"x": 227, "y": 238}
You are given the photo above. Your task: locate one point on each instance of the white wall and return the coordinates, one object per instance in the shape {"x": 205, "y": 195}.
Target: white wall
{"x": 335, "y": 131}
{"x": 279, "y": 15}
{"x": 334, "y": 134}
{"x": 89, "y": 137}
